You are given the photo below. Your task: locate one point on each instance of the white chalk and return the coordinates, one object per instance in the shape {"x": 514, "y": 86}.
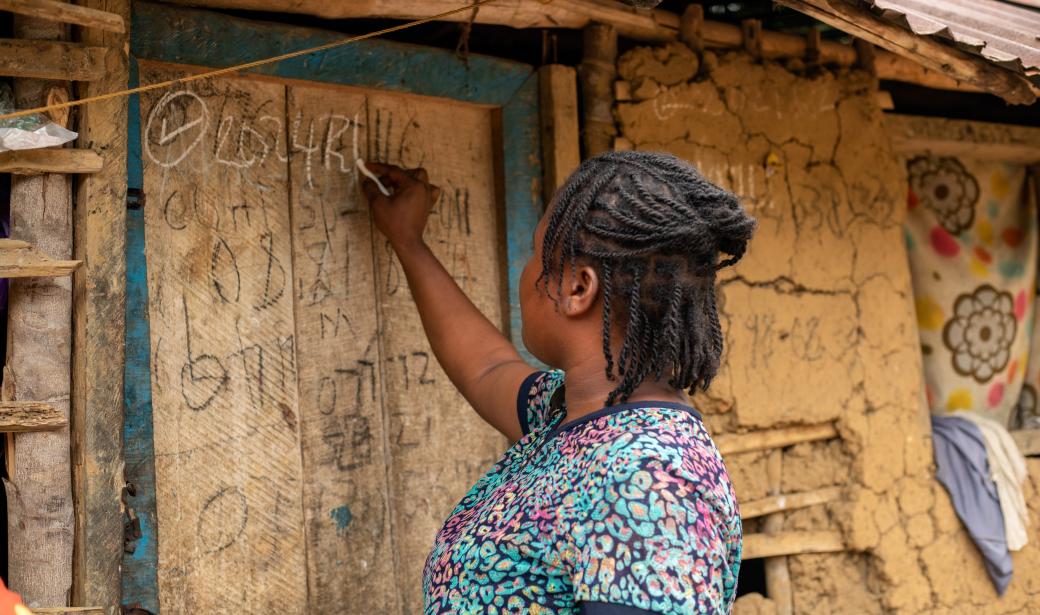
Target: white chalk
{"x": 369, "y": 174}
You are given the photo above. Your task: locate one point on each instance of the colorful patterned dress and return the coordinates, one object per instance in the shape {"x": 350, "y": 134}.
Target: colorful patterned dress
{"x": 625, "y": 510}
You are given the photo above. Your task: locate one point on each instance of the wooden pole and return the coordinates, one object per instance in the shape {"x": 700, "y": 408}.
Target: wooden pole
{"x": 62, "y": 11}
{"x": 598, "y": 72}
{"x": 787, "y": 501}
{"x": 792, "y": 543}
{"x": 561, "y": 151}
{"x": 778, "y": 577}
{"x": 730, "y": 444}
{"x": 64, "y": 160}
{"x": 39, "y": 493}
{"x": 99, "y": 327}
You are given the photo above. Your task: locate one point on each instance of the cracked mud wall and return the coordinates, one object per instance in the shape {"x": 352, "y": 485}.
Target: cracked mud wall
{"x": 820, "y": 326}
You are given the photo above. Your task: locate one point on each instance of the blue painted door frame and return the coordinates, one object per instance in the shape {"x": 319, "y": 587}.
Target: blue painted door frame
{"x": 202, "y": 38}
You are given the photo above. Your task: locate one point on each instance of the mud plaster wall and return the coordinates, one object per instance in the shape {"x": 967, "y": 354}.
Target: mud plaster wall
{"x": 819, "y": 326}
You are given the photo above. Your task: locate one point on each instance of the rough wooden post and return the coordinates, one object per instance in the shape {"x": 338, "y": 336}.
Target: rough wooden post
{"x": 778, "y": 577}
{"x": 99, "y": 325}
{"x": 598, "y": 72}
{"x": 39, "y": 493}
{"x": 691, "y": 27}
{"x": 558, "y": 103}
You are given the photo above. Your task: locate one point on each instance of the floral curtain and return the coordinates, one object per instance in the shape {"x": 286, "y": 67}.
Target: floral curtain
{"x": 972, "y": 238}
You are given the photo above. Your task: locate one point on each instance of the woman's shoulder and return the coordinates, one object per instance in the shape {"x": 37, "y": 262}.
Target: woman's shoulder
{"x": 672, "y": 445}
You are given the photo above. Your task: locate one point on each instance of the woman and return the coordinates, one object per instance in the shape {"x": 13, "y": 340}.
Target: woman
{"x": 614, "y": 499}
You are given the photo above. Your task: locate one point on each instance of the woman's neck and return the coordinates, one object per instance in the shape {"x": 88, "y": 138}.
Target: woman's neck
{"x": 587, "y": 388}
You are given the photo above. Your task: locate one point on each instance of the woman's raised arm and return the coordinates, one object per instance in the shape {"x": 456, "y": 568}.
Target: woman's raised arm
{"x": 480, "y": 361}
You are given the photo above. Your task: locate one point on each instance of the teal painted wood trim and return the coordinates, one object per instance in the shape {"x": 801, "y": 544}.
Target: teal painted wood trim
{"x": 140, "y": 583}
{"x": 134, "y": 172}
{"x": 204, "y": 38}
{"x": 521, "y": 136}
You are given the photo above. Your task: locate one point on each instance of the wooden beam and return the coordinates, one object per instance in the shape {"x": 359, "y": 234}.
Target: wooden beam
{"x": 731, "y": 444}
{"x": 691, "y": 27}
{"x": 561, "y": 151}
{"x": 656, "y": 26}
{"x": 70, "y": 610}
{"x": 598, "y": 71}
{"x": 915, "y": 135}
{"x": 50, "y": 60}
{"x": 1028, "y": 441}
{"x": 39, "y": 341}
{"x": 99, "y": 327}
{"x": 857, "y": 20}
{"x": 22, "y": 416}
{"x": 47, "y": 160}
{"x": 792, "y": 543}
{"x": 18, "y": 259}
{"x": 788, "y": 501}
{"x": 66, "y": 13}
{"x": 778, "y": 576}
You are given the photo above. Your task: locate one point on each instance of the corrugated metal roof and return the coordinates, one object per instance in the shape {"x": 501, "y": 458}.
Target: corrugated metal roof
{"x": 1006, "y": 33}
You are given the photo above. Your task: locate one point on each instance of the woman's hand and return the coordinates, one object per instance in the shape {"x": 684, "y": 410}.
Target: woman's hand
{"x": 402, "y": 216}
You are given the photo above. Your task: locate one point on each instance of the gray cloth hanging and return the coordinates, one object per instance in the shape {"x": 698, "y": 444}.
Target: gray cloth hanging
{"x": 963, "y": 468}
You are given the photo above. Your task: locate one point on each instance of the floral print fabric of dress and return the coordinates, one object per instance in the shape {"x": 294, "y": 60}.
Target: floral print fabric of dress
{"x": 972, "y": 239}
{"x": 626, "y": 510}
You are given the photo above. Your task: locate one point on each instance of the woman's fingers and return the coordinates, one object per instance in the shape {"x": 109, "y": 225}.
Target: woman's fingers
{"x": 372, "y": 192}
{"x": 419, "y": 174}
{"x": 390, "y": 174}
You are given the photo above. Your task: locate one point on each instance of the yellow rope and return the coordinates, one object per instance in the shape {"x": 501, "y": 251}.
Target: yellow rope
{"x": 232, "y": 69}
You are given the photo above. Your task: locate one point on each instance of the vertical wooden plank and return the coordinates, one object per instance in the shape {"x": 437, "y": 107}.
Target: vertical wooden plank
{"x": 561, "y": 152}
{"x": 227, "y": 448}
{"x": 350, "y": 559}
{"x": 778, "y": 576}
{"x": 99, "y": 295}
{"x": 438, "y": 446}
{"x": 598, "y": 72}
{"x": 39, "y": 494}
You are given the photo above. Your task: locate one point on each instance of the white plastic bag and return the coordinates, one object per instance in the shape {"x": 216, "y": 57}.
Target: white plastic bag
{"x": 28, "y": 131}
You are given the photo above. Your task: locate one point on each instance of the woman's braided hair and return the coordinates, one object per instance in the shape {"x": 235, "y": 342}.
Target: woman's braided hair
{"x": 653, "y": 227}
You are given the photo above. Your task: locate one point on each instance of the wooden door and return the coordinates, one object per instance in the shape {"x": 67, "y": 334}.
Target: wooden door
{"x": 307, "y": 445}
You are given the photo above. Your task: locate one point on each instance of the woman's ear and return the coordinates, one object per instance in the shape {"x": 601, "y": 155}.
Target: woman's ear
{"x": 580, "y": 291}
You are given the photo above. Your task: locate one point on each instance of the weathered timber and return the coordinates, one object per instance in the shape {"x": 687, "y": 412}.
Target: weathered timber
{"x": 778, "y": 575}
{"x": 51, "y": 60}
{"x": 70, "y": 610}
{"x": 916, "y": 135}
{"x": 691, "y": 27}
{"x": 730, "y": 444}
{"x": 561, "y": 150}
{"x": 857, "y": 20}
{"x": 651, "y": 26}
{"x": 787, "y": 501}
{"x": 99, "y": 294}
{"x": 47, "y": 160}
{"x": 18, "y": 259}
{"x": 22, "y": 416}
{"x": 40, "y": 519}
{"x": 53, "y": 10}
{"x": 792, "y": 543}
{"x": 404, "y": 348}
{"x": 598, "y": 71}
{"x": 344, "y": 495}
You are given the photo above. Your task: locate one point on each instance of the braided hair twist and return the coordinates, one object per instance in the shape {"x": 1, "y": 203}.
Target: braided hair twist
{"x": 654, "y": 229}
